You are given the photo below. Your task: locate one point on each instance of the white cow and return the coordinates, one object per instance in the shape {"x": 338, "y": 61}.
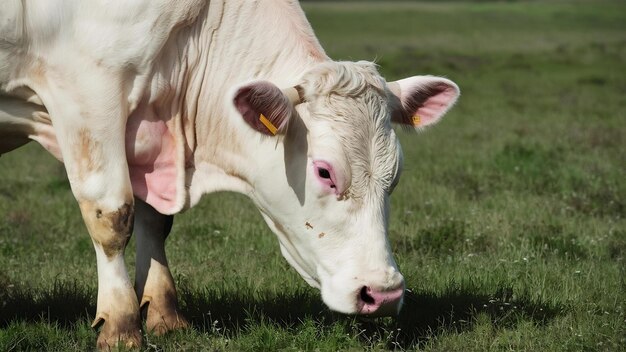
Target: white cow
{"x": 150, "y": 104}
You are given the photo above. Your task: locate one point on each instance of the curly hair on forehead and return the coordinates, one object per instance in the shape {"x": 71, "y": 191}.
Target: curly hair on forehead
{"x": 347, "y": 92}
{"x": 344, "y": 78}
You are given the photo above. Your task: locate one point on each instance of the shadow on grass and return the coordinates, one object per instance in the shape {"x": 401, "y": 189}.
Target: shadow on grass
{"x": 424, "y": 315}
{"x": 65, "y": 303}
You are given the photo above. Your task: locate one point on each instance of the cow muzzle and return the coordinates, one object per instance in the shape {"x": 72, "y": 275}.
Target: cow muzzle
{"x": 379, "y": 294}
{"x": 378, "y": 302}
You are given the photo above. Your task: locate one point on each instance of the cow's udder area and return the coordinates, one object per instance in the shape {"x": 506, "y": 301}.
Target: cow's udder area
{"x": 150, "y": 150}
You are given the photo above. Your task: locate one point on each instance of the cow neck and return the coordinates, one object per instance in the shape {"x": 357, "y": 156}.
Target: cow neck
{"x": 263, "y": 40}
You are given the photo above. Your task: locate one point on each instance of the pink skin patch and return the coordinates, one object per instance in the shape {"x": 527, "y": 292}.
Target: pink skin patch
{"x": 425, "y": 99}
{"x": 379, "y": 303}
{"x": 325, "y": 174}
{"x": 150, "y": 151}
{"x": 435, "y": 106}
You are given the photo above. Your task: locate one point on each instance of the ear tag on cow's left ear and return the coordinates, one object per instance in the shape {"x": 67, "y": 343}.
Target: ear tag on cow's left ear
{"x": 416, "y": 119}
{"x": 267, "y": 123}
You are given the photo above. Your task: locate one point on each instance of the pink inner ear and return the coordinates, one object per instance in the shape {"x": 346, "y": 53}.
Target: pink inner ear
{"x": 434, "y": 106}
{"x": 263, "y": 98}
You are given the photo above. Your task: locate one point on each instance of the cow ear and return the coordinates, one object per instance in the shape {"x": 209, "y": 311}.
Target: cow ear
{"x": 422, "y": 100}
{"x": 264, "y": 107}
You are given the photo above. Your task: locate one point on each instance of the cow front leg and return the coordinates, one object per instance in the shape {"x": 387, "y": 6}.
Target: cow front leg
{"x": 90, "y": 130}
{"x": 153, "y": 281}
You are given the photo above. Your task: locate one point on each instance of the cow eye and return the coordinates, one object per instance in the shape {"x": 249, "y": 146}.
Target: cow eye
{"x": 323, "y": 173}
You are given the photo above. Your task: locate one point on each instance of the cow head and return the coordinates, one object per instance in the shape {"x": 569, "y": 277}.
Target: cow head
{"x": 327, "y": 196}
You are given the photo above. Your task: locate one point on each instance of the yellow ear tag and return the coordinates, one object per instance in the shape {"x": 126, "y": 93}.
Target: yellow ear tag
{"x": 416, "y": 120}
{"x": 268, "y": 124}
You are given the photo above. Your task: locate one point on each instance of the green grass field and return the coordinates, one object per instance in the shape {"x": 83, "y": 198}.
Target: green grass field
{"x": 508, "y": 224}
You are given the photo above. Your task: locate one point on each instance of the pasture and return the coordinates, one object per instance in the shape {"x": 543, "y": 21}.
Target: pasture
{"x": 508, "y": 223}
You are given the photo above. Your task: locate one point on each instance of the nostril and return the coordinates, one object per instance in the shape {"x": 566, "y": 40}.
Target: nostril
{"x": 384, "y": 302}
{"x": 365, "y": 295}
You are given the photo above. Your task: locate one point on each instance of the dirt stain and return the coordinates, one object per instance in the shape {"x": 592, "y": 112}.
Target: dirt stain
{"x": 111, "y": 230}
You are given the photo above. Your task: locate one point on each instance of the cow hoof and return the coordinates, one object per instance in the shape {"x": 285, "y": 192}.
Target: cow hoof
{"x": 127, "y": 339}
{"x": 159, "y": 324}
{"x": 114, "y": 336}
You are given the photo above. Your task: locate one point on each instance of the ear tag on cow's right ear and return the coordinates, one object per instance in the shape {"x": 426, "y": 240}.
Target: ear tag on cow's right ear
{"x": 267, "y": 123}
{"x": 416, "y": 119}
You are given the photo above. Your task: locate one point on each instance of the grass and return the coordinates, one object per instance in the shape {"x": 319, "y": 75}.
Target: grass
{"x": 508, "y": 223}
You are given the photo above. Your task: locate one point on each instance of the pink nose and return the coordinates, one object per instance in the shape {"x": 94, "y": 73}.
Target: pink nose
{"x": 380, "y": 303}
